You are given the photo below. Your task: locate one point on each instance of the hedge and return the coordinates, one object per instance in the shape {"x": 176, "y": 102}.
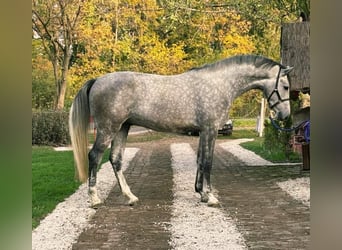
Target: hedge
{"x": 50, "y": 128}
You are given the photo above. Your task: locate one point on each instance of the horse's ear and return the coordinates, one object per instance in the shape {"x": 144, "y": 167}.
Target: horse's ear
{"x": 286, "y": 71}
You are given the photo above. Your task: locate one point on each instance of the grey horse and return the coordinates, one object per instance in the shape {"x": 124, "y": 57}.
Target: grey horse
{"x": 194, "y": 101}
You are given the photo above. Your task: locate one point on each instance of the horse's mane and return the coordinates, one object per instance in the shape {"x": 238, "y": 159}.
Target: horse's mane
{"x": 257, "y": 61}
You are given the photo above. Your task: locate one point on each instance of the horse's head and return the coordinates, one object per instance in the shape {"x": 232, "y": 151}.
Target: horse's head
{"x": 277, "y": 91}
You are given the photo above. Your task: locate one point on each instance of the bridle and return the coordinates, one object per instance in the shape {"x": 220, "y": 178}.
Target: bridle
{"x": 275, "y": 91}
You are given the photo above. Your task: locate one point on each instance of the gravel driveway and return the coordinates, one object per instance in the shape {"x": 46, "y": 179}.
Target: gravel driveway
{"x": 262, "y": 205}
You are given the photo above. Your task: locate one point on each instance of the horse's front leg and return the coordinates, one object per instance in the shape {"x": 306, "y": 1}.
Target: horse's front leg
{"x": 204, "y": 162}
{"x": 199, "y": 174}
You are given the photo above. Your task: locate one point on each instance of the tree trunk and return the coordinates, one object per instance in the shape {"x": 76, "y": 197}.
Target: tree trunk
{"x": 62, "y": 81}
{"x": 61, "y": 95}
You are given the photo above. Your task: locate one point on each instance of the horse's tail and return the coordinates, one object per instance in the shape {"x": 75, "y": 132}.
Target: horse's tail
{"x": 78, "y": 126}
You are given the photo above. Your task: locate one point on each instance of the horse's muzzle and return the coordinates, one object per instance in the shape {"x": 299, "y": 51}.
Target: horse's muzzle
{"x": 282, "y": 116}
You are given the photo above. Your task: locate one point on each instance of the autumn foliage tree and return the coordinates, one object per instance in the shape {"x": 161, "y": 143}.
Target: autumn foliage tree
{"x": 55, "y": 23}
{"x": 152, "y": 37}
{"x": 84, "y": 39}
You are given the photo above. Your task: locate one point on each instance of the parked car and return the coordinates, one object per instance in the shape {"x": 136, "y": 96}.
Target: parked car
{"x": 227, "y": 128}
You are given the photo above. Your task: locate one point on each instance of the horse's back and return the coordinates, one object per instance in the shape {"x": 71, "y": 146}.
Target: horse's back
{"x": 155, "y": 101}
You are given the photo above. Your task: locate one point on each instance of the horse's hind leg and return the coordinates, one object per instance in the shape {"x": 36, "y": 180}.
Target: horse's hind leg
{"x": 95, "y": 157}
{"x": 115, "y": 157}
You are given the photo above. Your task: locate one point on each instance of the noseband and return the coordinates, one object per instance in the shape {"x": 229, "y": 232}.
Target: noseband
{"x": 275, "y": 91}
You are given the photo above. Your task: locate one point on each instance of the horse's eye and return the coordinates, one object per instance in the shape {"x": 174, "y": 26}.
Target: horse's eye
{"x": 286, "y": 87}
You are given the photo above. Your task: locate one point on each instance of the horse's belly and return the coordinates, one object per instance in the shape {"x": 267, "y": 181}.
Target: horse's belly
{"x": 166, "y": 124}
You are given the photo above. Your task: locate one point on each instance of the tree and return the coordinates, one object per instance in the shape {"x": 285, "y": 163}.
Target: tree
{"x": 85, "y": 39}
{"x": 247, "y": 105}
{"x": 292, "y": 9}
{"x": 120, "y": 36}
{"x": 55, "y": 23}
{"x": 93, "y": 51}
{"x": 43, "y": 90}
{"x": 208, "y": 32}
{"x": 266, "y": 17}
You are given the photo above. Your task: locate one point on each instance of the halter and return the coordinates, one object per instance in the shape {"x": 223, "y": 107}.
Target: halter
{"x": 275, "y": 91}
{"x": 304, "y": 124}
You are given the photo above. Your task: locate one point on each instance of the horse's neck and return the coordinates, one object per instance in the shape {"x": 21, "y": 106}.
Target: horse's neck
{"x": 242, "y": 78}
{"x": 235, "y": 79}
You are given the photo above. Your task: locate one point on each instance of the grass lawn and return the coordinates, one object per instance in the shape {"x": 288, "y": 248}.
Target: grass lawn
{"x": 52, "y": 180}
{"x": 241, "y": 131}
{"x": 274, "y": 156}
{"x": 244, "y": 122}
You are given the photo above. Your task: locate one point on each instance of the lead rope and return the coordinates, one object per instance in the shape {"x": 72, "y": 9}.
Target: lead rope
{"x": 286, "y": 129}
{"x": 305, "y": 124}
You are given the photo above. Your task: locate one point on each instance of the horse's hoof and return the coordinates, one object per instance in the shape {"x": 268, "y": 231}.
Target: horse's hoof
{"x": 212, "y": 201}
{"x": 95, "y": 201}
{"x": 96, "y": 204}
{"x": 204, "y": 197}
{"x": 133, "y": 201}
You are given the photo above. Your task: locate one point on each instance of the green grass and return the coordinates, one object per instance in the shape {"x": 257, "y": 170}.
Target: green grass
{"x": 276, "y": 155}
{"x": 244, "y": 122}
{"x": 242, "y": 130}
{"x": 52, "y": 180}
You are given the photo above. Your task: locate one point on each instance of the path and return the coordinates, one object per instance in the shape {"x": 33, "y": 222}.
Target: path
{"x": 265, "y": 216}
{"x": 254, "y": 212}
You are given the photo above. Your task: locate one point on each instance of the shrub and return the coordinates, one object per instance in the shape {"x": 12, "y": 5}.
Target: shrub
{"x": 50, "y": 128}
{"x": 276, "y": 140}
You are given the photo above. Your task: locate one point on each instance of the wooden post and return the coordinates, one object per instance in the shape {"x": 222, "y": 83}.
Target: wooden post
{"x": 306, "y": 155}
{"x": 295, "y": 51}
{"x": 262, "y": 118}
